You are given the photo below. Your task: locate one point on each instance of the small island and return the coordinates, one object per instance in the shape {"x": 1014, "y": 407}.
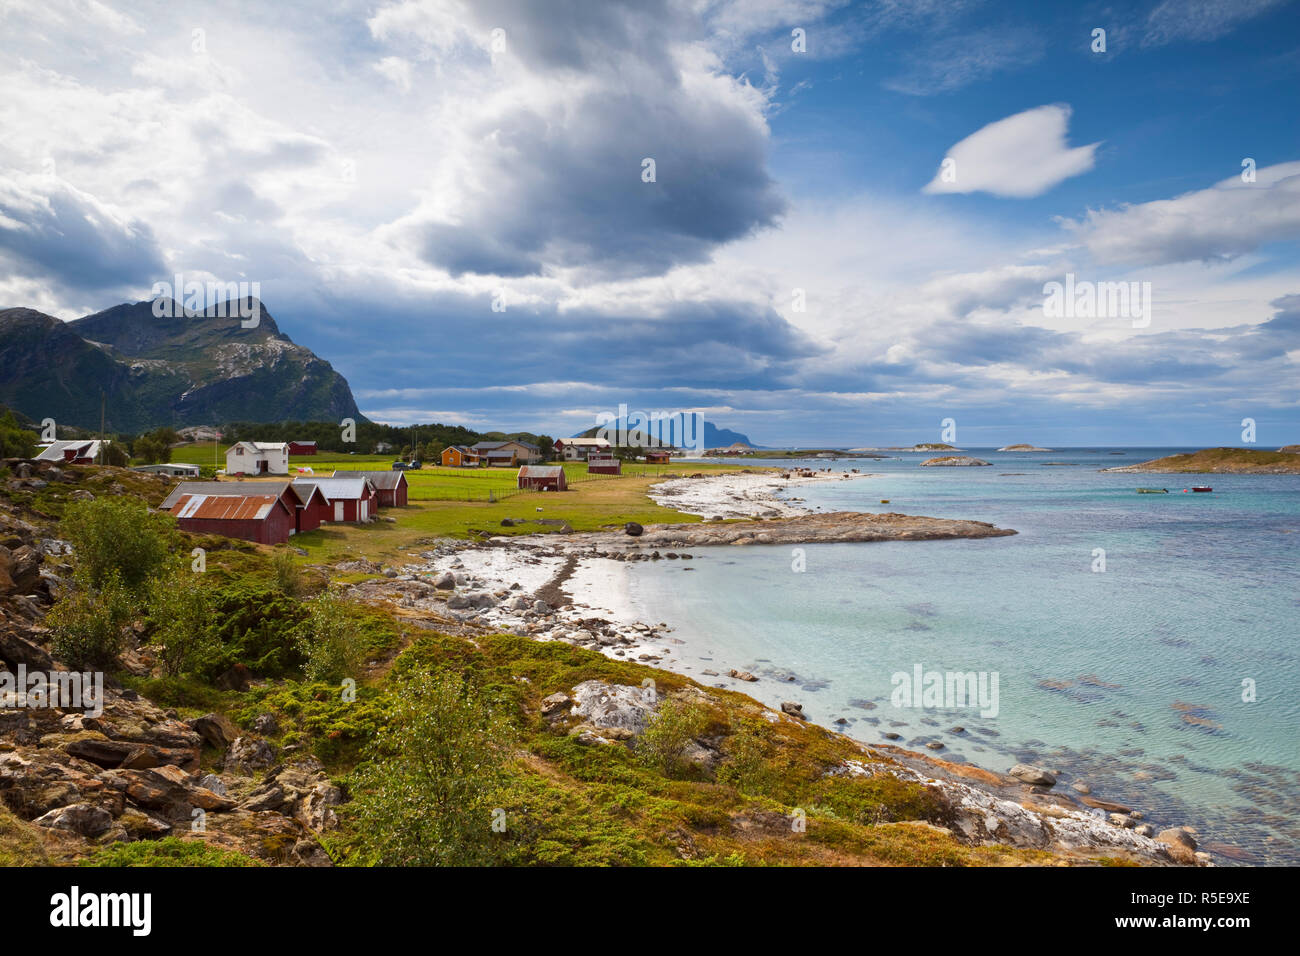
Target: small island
{"x": 932, "y": 446}
{"x": 954, "y": 461}
{"x": 1022, "y": 448}
{"x": 1221, "y": 461}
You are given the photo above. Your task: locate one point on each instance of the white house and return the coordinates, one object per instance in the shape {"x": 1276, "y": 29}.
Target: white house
{"x": 257, "y": 458}
{"x": 579, "y": 449}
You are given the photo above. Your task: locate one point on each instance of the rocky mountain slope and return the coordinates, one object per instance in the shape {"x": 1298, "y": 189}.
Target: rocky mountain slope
{"x": 196, "y": 369}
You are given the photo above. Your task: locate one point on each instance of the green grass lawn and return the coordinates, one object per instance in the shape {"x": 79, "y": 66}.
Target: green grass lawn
{"x": 434, "y": 482}
{"x": 588, "y": 506}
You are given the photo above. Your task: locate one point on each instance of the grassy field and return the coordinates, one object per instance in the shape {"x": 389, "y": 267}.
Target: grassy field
{"x": 588, "y": 506}
{"x": 201, "y": 453}
{"x": 435, "y": 483}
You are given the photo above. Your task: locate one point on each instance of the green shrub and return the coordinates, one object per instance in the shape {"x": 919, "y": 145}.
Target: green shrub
{"x": 285, "y": 573}
{"x": 15, "y": 441}
{"x": 745, "y": 758}
{"x": 257, "y": 626}
{"x": 670, "y": 731}
{"x": 169, "y": 851}
{"x": 87, "y": 624}
{"x": 436, "y": 774}
{"x": 330, "y": 640}
{"x": 882, "y": 798}
{"x": 117, "y": 536}
{"x": 180, "y": 609}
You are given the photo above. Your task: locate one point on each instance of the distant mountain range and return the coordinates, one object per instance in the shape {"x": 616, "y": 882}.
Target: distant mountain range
{"x": 714, "y": 437}
{"x": 198, "y": 368}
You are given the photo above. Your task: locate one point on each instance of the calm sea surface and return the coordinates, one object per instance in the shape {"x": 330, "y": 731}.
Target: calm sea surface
{"x": 1130, "y": 680}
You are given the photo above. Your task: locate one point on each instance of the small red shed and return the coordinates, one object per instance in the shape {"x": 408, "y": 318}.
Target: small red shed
{"x": 351, "y": 499}
{"x": 390, "y": 486}
{"x": 313, "y": 508}
{"x": 604, "y": 466}
{"x": 302, "y": 448}
{"x": 542, "y": 478}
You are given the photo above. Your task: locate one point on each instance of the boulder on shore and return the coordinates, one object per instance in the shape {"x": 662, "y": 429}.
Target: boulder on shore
{"x": 1036, "y": 776}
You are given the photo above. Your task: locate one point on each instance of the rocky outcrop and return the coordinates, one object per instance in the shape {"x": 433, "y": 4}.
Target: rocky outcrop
{"x": 802, "y": 529}
{"x": 614, "y": 706}
{"x": 954, "y": 461}
{"x": 1022, "y": 448}
{"x": 1220, "y": 461}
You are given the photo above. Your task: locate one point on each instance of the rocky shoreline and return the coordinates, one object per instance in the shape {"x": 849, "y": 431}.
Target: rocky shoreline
{"x": 560, "y": 588}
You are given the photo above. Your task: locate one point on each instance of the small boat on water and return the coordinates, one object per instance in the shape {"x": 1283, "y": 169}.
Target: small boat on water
{"x": 1201, "y": 488}
{"x": 1153, "y": 491}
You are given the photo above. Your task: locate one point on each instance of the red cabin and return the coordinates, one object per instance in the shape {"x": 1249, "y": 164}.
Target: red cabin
{"x": 261, "y": 518}
{"x": 542, "y": 478}
{"x": 390, "y": 486}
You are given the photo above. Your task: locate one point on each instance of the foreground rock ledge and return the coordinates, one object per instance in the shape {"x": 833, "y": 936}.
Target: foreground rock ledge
{"x": 803, "y": 529}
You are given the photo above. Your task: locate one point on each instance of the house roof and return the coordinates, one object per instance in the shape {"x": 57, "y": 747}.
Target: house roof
{"x": 85, "y": 448}
{"x": 541, "y": 471}
{"x": 489, "y": 445}
{"x": 228, "y": 488}
{"x": 302, "y": 443}
{"x": 385, "y": 480}
{"x": 260, "y": 446}
{"x": 226, "y": 507}
{"x": 336, "y": 488}
{"x": 593, "y": 442}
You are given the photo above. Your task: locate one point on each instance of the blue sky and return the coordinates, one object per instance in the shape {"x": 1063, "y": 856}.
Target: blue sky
{"x": 799, "y": 270}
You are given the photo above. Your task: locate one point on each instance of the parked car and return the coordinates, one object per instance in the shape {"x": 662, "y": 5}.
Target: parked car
{"x": 400, "y": 466}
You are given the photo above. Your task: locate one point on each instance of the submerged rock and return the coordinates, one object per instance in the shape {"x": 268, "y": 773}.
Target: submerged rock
{"x": 1032, "y": 775}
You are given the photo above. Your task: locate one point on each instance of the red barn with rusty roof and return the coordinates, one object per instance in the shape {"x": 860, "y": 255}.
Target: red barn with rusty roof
{"x": 261, "y": 518}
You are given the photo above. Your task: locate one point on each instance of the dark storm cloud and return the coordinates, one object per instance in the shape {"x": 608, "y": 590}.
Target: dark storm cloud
{"x": 560, "y": 184}
{"x": 50, "y": 231}
{"x": 459, "y": 342}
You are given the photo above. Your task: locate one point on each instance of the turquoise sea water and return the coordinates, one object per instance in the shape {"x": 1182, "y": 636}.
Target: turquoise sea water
{"x": 1130, "y": 679}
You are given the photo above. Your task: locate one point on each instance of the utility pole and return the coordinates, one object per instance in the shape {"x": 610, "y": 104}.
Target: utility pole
{"x": 103, "y": 403}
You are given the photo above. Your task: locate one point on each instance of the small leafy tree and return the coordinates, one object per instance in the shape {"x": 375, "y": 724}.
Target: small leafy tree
{"x": 181, "y": 611}
{"x": 746, "y": 754}
{"x": 117, "y": 537}
{"x": 87, "y": 624}
{"x": 285, "y": 573}
{"x": 436, "y": 776}
{"x": 152, "y": 450}
{"x": 15, "y": 441}
{"x": 670, "y": 731}
{"x": 330, "y": 640}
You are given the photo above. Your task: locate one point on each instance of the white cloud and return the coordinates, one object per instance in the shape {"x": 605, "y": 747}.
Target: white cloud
{"x": 1224, "y": 221}
{"x": 1021, "y": 156}
{"x": 397, "y": 71}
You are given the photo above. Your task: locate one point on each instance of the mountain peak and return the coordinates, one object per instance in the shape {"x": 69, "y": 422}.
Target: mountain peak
{"x": 197, "y": 368}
